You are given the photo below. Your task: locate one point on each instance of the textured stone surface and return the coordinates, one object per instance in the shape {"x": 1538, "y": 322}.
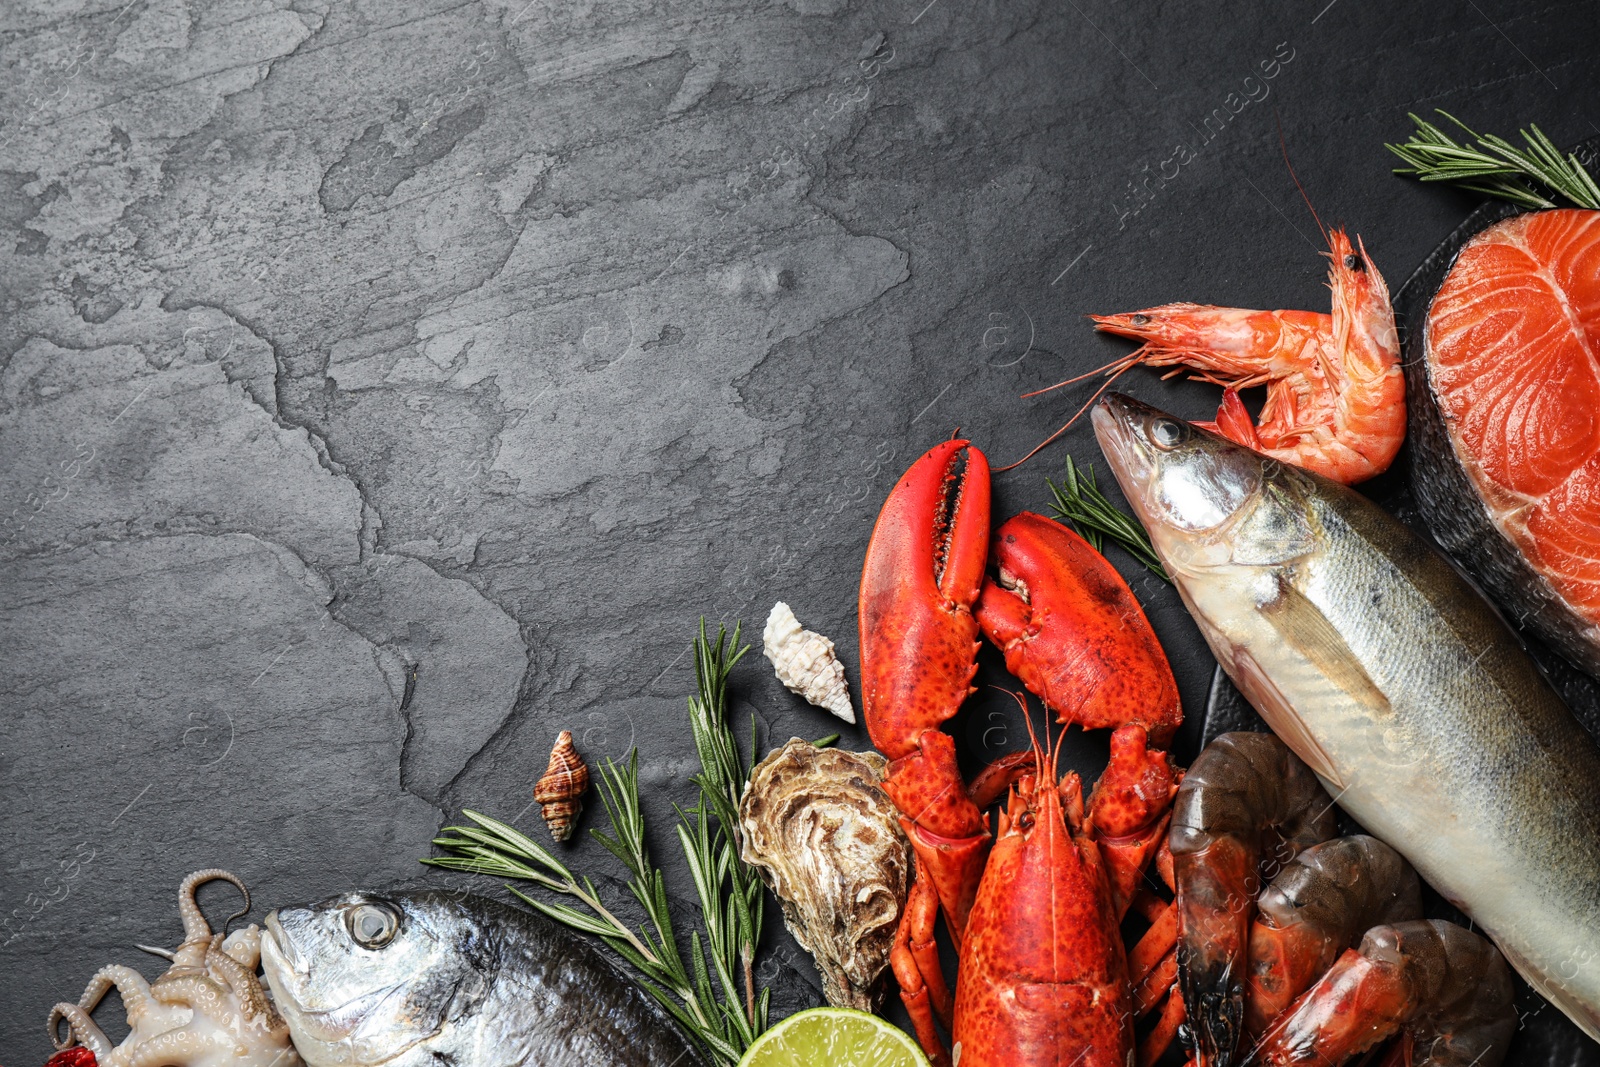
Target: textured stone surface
{"x": 386, "y": 386}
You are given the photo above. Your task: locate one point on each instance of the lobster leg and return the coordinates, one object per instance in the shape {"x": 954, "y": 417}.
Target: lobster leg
{"x": 915, "y": 960}
{"x": 993, "y": 781}
{"x": 1155, "y": 985}
{"x": 1155, "y": 946}
{"x": 1166, "y": 1028}
{"x": 1129, "y": 810}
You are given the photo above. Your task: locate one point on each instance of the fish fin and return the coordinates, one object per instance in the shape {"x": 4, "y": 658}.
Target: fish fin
{"x": 1279, "y": 713}
{"x": 1575, "y": 1009}
{"x": 1307, "y": 630}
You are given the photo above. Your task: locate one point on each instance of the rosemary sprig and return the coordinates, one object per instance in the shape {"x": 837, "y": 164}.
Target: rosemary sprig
{"x": 1495, "y": 167}
{"x": 1080, "y": 503}
{"x": 496, "y": 849}
{"x": 730, "y": 894}
{"x": 731, "y": 899}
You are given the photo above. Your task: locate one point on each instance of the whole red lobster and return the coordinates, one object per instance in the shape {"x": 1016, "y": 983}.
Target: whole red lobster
{"x": 1043, "y": 977}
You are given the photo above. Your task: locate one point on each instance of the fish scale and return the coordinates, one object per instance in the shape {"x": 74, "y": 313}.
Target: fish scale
{"x": 1391, "y": 676}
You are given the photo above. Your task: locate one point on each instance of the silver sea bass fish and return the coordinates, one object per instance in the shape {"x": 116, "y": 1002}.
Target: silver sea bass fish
{"x": 1391, "y": 677}
{"x": 414, "y": 978}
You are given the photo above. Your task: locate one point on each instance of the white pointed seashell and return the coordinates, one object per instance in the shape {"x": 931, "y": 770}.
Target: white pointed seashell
{"x": 805, "y": 662}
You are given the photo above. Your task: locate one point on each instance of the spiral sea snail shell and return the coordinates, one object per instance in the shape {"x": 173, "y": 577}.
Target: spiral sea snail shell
{"x": 560, "y": 789}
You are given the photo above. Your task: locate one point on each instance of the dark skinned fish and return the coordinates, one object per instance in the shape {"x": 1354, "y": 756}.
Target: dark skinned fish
{"x": 1392, "y": 678}
{"x": 428, "y": 978}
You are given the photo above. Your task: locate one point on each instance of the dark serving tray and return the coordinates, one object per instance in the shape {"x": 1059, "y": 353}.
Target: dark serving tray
{"x": 1546, "y": 1036}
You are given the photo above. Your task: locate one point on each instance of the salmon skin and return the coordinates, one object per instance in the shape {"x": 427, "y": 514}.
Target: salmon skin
{"x": 1392, "y": 678}
{"x": 1504, "y": 387}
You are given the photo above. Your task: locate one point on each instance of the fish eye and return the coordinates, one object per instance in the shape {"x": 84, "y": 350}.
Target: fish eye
{"x": 1166, "y": 433}
{"x": 373, "y": 925}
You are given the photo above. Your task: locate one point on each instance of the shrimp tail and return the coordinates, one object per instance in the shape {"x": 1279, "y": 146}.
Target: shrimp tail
{"x": 1233, "y": 422}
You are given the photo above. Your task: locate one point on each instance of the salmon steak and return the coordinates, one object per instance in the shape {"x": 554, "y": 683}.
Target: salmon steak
{"x": 1512, "y": 353}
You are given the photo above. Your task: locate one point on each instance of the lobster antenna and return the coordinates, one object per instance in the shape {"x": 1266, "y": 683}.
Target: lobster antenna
{"x": 1284, "y": 146}
{"x": 1075, "y": 417}
{"x": 1055, "y": 756}
{"x": 1027, "y": 719}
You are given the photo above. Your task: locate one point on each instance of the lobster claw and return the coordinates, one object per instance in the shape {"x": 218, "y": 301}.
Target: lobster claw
{"x": 1073, "y": 632}
{"x": 919, "y": 644}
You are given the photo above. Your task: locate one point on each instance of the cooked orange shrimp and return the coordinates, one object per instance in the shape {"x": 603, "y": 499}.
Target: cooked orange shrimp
{"x": 1335, "y": 393}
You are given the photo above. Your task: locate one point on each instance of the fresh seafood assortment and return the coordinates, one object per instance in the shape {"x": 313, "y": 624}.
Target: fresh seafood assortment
{"x": 806, "y": 663}
{"x": 1394, "y": 690}
{"x": 1063, "y": 870}
{"x": 1506, "y": 398}
{"x": 424, "y": 977}
{"x": 824, "y": 836}
{"x": 1335, "y": 392}
{"x": 207, "y": 1010}
{"x": 559, "y": 790}
{"x": 1392, "y": 678}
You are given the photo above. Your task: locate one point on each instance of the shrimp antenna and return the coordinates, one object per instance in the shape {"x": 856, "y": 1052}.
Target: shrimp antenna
{"x": 1283, "y": 145}
{"x": 1076, "y": 415}
{"x": 1070, "y": 381}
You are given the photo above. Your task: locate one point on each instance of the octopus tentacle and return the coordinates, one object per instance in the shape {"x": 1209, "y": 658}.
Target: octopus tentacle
{"x": 196, "y": 931}
{"x": 245, "y": 946}
{"x": 174, "y": 1046}
{"x": 195, "y": 991}
{"x": 81, "y": 1030}
{"x": 244, "y": 983}
{"x": 131, "y": 986}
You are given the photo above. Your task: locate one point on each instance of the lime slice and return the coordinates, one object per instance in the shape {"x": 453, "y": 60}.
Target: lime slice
{"x": 835, "y": 1037}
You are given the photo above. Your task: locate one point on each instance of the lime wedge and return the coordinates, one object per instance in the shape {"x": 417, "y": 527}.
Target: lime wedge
{"x": 835, "y": 1037}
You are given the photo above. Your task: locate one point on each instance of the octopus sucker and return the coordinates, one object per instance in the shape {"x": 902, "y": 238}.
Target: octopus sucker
{"x": 208, "y": 1009}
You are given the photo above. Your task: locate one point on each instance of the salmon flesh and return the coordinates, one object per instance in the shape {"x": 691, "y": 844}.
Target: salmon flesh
{"x": 1507, "y": 447}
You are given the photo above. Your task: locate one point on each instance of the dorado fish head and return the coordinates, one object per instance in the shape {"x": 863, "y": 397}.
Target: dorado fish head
{"x": 1206, "y": 502}
{"x": 361, "y": 978}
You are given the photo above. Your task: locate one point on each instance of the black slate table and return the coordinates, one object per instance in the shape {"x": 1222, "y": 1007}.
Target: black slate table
{"x": 387, "y": 386}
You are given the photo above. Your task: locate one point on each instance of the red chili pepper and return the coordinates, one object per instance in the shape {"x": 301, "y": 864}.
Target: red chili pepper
{"x": 77, "y": 1056}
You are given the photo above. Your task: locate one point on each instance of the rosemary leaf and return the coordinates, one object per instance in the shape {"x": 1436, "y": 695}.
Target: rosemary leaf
{"x": 1495, "y": 167}
{"x": 1080, "y": 503}
{"x": 824, "y": 742}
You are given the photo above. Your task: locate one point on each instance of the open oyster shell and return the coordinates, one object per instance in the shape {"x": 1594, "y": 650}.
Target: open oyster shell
{"x": 826, "y": 839}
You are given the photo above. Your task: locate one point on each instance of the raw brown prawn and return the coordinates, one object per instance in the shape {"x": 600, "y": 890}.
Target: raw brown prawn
{"x": 1446, "y": 990}
{"x": 1315, "y": 909}
{"x": 1335, "y": 393}
{"x": 1245, "y": 799}
{"x": 1309, "y": 996}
